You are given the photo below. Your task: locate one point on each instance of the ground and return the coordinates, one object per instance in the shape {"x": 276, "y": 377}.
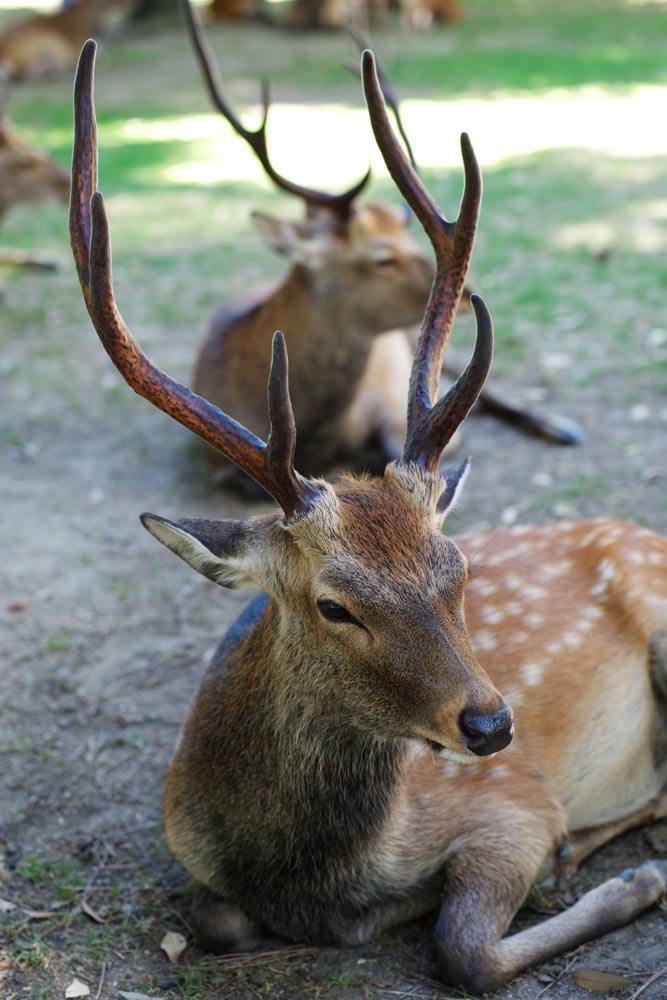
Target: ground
{"x": 105, "y": 634}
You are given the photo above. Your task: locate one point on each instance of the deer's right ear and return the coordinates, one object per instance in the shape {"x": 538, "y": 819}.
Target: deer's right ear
{"x": 300, "y": 242}
{"x": 220, "y": 550}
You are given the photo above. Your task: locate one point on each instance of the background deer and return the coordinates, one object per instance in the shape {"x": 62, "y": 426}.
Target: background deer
{"x": 45, "y": 44}
{"x": 337, "y": 771}
{"x": 26, "y": 174}
{"x": 357, "y": 274}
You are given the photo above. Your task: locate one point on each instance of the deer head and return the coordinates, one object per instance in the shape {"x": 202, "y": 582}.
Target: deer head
{"x": 366, "y": 592}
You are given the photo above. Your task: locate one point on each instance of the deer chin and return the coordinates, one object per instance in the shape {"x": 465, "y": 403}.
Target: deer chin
{"x": 448, "y": 753}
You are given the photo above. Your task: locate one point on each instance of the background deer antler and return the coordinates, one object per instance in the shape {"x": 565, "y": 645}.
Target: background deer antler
{"x": 338, "y": 204}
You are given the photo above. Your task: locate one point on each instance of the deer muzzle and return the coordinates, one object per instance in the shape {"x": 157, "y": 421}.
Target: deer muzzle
{"x": 486, "y": 734}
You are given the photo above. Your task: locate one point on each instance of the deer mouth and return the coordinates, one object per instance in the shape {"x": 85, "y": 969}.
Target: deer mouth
{"x": 459, "y": 756}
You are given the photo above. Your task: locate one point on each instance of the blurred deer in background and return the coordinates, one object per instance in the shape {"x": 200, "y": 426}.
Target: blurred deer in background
{"x": 46, "y": 44}
{"x": 26, "y": 175}
{"x": 337, "y": 770}
{"x": 341, "y": 13}
{"x": 356, "y": 274}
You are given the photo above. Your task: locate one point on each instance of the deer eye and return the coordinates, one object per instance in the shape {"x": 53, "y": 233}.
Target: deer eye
{"x": 386, "y": 262}
{"x": 335, "y": 612}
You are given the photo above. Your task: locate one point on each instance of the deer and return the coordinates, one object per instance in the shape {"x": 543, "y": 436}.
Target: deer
{"x": 48, "y": 44}
{"x": 26, "y": 174}
{"x": 349, "y": 760}
{"x": 357, "y": 279}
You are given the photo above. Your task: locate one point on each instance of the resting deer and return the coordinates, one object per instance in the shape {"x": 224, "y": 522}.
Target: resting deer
{"x": 26, "y": 175}
{"x": 45, "y": 44}
{"x": 337, "y": 771}
{"x": 356, "y": 273}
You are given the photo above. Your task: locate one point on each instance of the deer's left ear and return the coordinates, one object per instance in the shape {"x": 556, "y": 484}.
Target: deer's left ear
{"x": 223, "y": 551}
{"x": 453, "y": 482}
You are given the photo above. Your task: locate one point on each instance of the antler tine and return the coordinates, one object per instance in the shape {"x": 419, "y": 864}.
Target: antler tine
{"x": 270, "y": 466}
{"x": 363, "y": 42}
{"x": 84, "y": 166}
{"x": 452, "y": 243}
{"x": 339, "y": 204}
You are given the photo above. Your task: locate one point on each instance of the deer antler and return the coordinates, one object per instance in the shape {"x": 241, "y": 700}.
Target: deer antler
{"x": 269, "y": 464}
{"x": 431, "y": 424}
{"x": 338, "y": 204}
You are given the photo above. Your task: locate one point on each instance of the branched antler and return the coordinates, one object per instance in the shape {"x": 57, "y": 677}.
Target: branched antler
{"x": 269, "y": 464}
{"x": 339, "y": 205}
{"x": 431, "y": 424}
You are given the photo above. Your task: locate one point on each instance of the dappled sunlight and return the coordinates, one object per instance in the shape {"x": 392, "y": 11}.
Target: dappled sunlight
{"x": 330, "y": 145}
{"x": 642, "y": 229}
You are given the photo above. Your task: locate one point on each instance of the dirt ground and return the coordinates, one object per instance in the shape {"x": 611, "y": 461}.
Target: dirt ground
{"x": 104, "y": 636}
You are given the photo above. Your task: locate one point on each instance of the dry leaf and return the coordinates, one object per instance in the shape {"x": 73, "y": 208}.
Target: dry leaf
{"x": 591, "y": 979}
{"x": 90, "y": 912}
{"x": 173, "y": 945}
{"x": 6, "y": 906}
{"x": 40, "y": 914}
{"x": 136, "y": 996}
{"x": 77, "y": 989}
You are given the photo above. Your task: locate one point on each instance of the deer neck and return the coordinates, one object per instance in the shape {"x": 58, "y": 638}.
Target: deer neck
{"x": 301, "y": 785}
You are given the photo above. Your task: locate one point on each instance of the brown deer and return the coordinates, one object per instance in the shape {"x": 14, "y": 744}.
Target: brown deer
{"x": 26, "y": 174}
{"x": 46, "y": 44}
{"x": 337, "y": 771}
{"x": 356, "y": 275}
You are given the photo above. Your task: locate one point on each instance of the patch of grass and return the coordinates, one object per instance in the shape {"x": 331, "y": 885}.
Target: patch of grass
{"x": 59, "y": 876}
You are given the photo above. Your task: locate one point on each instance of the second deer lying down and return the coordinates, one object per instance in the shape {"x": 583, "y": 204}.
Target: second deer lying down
{"x": 348, "y": 761}
{"x": 356, "y": 273}
{"x": 26, "y": 175}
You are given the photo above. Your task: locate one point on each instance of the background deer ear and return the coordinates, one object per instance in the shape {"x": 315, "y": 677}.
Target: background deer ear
{"x": 453, "y": 483}
{"x": 220, "y": 550}
{"x": 301, "y": 242}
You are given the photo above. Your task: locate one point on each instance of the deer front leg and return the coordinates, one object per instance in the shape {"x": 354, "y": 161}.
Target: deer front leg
{"x": 220, "y": 926}
{"x": 480, "y": 903}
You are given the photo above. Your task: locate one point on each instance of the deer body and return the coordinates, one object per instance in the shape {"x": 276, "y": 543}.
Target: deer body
{"x": 46, "y": 44}
{"x": 338, "y": 771}
{"x": 321, "y": 828}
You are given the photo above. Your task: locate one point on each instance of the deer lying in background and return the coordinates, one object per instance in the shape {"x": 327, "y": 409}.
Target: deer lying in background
{"x": 46, "y": 44}
{"x": 356, "y": 273}
{"x": 26, "y": 175}
{"x": 340, "y": 13}
{"x": 337, "y": 771}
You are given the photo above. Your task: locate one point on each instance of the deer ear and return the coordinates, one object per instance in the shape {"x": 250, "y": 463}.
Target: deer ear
{"x": 453, "y": 482}
{"x": 300, "y": 242}
{"x": 220, "y": 550}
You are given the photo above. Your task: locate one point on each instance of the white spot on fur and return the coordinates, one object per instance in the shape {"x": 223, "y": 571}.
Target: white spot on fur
{"x": 513, "y": 581}
{"x": 572, "y": 640}
{"x": 483, "y": 587}
{"x": 534, "y": 620}
{"x": 531, "y": 674}
{"x": 553, "y": 647}
{"x": 483, "y": 640}
{"x": 606, "y": 570}
{"x": 534, "y": 593}
{"x": 491, "y": 615}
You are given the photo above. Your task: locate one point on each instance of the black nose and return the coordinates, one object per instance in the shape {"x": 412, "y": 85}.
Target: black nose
{"x": 485, "y": 734}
